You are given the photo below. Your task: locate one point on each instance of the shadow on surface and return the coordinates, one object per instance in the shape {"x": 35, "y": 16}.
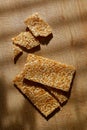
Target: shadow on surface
{"x": 32, "y": 50}
{"x": 45, "y": 40}
{"x": 17, "y": 57}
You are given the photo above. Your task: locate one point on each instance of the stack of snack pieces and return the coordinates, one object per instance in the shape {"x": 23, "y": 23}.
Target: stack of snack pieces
{"x": 39, "y": 79}
{"x": 43, "y": 81}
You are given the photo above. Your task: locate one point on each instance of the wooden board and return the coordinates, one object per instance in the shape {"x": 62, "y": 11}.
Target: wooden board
{"x": 68, "y": 19}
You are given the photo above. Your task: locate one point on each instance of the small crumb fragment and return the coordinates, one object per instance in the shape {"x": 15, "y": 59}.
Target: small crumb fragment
{"x": 17, "y": 52}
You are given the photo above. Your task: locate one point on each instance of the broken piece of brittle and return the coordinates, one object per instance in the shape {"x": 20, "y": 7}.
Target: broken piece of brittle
{"x": 26, "y": 40}
{"x": 38, "y": 26}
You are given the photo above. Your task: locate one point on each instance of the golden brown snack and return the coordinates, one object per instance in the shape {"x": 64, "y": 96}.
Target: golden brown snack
{"x": 26, "y": 40}
{"x": 38, "y": 26}
{"x": 49, "y": 72}
{"x": 42, "y": 99}
{"x": 17, "y": 51}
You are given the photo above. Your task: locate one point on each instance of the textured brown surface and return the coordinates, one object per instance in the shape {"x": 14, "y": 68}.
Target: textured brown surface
{"x": 68, "y": 19}
{"x": 26, "y": 40}
{"x": 49, "y": 72}
{"x": 45, "y": 102}
{"x": 38, "y": 26}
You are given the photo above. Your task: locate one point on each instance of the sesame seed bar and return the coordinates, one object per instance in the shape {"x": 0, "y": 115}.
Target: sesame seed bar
{"x": 38, "y": 26}
{"x": 48, "y": 72}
